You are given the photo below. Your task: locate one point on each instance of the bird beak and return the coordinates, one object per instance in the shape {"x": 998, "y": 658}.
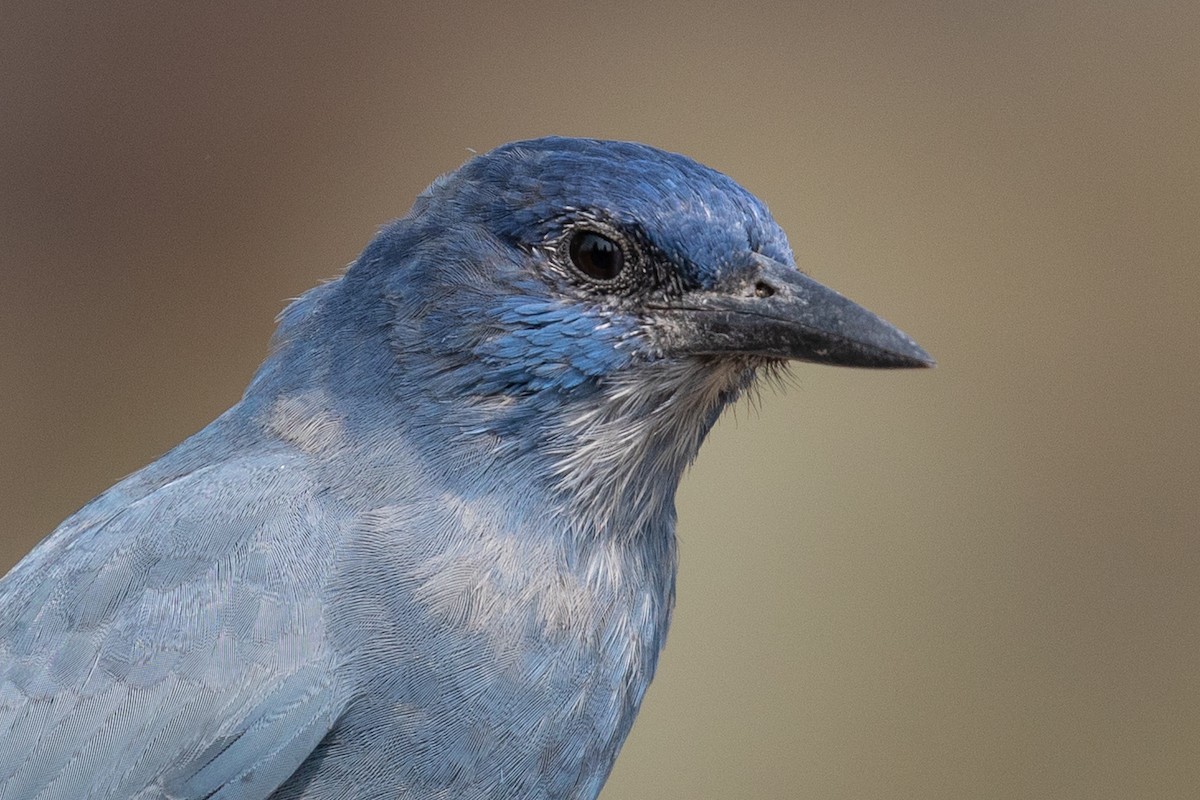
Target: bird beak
{"x": 774, "y": 310}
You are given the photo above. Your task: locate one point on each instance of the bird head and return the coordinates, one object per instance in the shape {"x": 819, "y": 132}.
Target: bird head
{"x": 556, "y": 262}
{"x": 597, "y": 302}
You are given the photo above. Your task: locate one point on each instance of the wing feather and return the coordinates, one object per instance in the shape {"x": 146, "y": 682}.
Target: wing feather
{"x": 171, "y": 645}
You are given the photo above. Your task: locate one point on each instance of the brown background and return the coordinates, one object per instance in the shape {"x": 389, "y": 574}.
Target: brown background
{"x": 981, "y": 581}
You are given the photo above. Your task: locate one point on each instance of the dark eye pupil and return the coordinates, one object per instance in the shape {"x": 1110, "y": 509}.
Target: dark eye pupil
{"x": 596, "y": 256}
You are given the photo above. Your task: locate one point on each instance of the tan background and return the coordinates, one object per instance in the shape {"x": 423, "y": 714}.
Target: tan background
{"x": 977, "y": 582}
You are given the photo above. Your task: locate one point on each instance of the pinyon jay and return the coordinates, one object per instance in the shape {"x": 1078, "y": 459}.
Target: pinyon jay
{"x": 431, "y": 551}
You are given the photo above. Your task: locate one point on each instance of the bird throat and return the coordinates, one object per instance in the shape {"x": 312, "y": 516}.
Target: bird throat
{"x": 619, "y": 455}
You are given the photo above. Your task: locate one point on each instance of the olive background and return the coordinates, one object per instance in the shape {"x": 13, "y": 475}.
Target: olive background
{"x": 980, "y": 581}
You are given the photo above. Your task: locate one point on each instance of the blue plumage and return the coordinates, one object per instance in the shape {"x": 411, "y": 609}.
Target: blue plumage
{"x": 431, "y": 552}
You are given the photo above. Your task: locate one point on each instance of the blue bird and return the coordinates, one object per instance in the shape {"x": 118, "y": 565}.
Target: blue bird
{"x": 431, "y": 551}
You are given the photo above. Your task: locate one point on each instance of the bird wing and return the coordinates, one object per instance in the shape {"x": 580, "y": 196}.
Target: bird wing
{"x": 169, "y": 642}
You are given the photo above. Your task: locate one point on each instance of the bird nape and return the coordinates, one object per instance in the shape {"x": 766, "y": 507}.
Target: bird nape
{"x": 431, "y": 551}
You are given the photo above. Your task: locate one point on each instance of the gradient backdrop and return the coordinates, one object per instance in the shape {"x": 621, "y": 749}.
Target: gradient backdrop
{"x": 977, "y": 582}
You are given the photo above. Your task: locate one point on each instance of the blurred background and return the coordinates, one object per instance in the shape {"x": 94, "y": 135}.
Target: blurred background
{"x": 981, "y": 581}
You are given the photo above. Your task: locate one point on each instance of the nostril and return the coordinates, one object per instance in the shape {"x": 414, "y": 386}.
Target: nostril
{"x": 763, "y": 289}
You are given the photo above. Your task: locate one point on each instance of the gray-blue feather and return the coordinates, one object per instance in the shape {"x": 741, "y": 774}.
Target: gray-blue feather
{"x": 431, "y": 552}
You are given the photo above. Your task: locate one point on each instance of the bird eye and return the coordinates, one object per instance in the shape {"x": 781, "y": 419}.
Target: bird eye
{"x": 596, "y": 256}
